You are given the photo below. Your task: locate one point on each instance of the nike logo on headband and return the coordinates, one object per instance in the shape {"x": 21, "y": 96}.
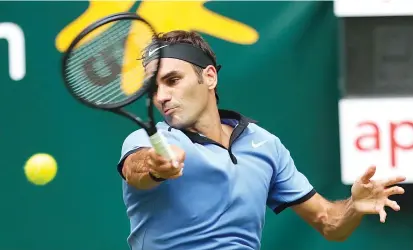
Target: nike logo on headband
{"x": 182, "y": 51}
{"x": 150, "y": 53}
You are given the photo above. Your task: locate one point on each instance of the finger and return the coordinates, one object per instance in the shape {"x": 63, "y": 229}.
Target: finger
{"x": 175, "y": 164}
{"x": 157, "y": 159}
{"x": 393, "y": 205}
{"x": 394, "y": 180}
{"x": 181, "y": 156}
{"x": 150, "y": 163}
{"x": 368, "y": 174}
{"x": 168, "y": 167}
{"x": 168, "y": 170}
{"x": 181, "y": 172}
{"x": 383, "y": 215}
{"x": 394, "y": 190}
{"x": 179, "y": 153}
{"x": 166, "y": 175}
{"x": 176, "y": 171}
{"x": 156, "y": 164}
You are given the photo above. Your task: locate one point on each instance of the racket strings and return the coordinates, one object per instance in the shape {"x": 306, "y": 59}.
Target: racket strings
{"x": 106, "y": 40}
{"x": 83, "y": 54}
{"x": 106, "y": 53}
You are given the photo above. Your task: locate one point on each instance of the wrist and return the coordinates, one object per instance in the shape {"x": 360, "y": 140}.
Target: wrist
{"x": 152, "y": 176}
{"x": 355, "y": 207}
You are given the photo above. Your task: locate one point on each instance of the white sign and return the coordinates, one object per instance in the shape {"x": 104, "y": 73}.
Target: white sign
{"x": 376, "y": 132}
{"x": 360, "y": 8}
{"x": 16, "y": 52}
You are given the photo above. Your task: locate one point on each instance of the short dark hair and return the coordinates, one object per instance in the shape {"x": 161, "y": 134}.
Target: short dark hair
{"x": 189, "y": 37}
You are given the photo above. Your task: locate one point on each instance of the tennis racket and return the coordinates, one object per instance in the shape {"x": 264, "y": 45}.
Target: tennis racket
{"x": 101, "y": 69}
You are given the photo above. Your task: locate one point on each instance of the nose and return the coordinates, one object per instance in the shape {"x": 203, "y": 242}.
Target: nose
{"x": 163, "y": 94}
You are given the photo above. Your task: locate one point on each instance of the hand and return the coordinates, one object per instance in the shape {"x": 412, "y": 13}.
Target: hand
{"x": 167, "y": 169}
{"x": 371, "y": 197}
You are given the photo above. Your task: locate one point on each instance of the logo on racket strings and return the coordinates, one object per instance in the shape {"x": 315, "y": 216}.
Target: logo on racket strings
{"x": 110, "y": 63}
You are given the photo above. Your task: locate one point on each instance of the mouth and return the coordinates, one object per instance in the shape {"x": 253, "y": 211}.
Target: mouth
{"x": 168, "y": 111}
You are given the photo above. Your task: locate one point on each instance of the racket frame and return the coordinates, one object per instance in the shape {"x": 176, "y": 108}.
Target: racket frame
{"x": 156, "y": 138}
{"x": 147, "y": 86}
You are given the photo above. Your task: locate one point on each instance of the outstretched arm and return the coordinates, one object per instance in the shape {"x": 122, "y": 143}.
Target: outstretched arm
{"x": 337, "y": 220}
{"x": 334, "y": 220}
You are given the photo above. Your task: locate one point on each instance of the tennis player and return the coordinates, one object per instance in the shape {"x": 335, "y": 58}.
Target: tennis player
{"x": 227, "y": 168}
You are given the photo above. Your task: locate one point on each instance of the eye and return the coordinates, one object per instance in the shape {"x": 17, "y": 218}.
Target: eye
{"x": 173, "y": 81}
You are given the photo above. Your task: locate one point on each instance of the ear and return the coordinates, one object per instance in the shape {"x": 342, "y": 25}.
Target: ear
{"x": 210, "y": 76}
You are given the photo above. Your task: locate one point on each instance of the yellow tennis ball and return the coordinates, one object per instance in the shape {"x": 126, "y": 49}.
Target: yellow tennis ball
{"x": 40, "y": 169}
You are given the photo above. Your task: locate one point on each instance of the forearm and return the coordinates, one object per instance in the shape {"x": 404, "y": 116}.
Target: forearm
{"x": 136, "y": 172}
{"x": 340, "y": 220}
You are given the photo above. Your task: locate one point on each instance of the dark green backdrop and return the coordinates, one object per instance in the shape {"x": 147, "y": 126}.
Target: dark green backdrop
{"x": 287, "y": 80}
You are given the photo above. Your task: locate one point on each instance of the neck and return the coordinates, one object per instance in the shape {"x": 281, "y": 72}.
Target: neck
{"x": 209, "y": 125}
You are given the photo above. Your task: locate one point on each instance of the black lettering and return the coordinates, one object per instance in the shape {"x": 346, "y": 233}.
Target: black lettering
{"x": 110, "y": 62}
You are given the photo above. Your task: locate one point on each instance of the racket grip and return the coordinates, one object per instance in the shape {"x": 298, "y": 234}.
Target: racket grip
{"x": 161, "y": 146}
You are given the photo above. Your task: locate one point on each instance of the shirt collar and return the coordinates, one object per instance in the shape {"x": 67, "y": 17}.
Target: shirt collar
{"x": 232, "y": 118}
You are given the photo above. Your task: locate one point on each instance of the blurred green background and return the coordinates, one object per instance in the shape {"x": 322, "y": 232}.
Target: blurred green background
{"x": 287, "y": 80}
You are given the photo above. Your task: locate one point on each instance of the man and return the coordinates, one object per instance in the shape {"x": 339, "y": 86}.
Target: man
{"x": 228, "y": 169}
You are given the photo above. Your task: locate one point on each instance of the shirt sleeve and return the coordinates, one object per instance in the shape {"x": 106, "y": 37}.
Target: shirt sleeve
{"x": 288, "y": 186}
{"x": 133, "y": 142}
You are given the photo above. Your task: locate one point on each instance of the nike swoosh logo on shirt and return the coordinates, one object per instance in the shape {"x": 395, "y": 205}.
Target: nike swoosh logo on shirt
{"x": 259, "y": 144}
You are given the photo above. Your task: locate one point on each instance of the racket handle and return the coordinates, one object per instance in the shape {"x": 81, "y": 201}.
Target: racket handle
{"x": 161, "y": 146}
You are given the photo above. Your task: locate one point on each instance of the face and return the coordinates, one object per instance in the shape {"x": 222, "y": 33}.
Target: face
{"x": 180, "y": 97}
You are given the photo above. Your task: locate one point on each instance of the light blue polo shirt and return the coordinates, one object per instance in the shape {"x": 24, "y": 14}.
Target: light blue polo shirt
{"x": 220, "y": 201}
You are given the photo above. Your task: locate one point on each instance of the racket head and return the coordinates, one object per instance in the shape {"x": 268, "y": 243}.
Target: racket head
{"x": 101, "y": 67}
